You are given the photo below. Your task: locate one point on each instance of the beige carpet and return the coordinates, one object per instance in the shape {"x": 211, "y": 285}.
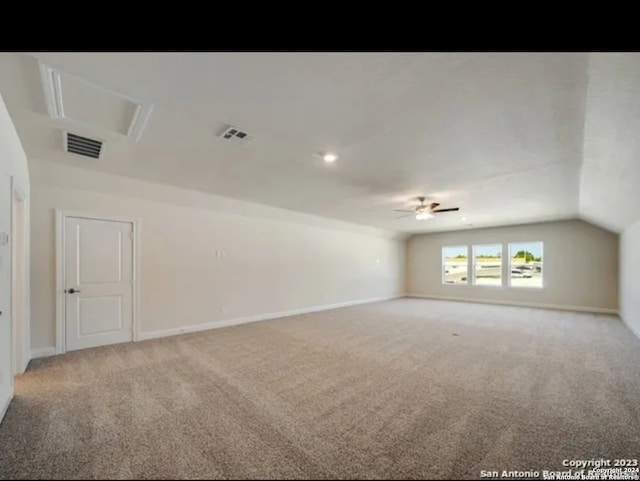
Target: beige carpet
{"x": 409, "y": 388}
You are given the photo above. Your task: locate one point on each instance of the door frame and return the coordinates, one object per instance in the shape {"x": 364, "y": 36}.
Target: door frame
{"x": 19, "y": 293}
{"x": 61, "y": 217}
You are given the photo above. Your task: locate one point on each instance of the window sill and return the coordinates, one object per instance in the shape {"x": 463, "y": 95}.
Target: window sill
{"x": 515, "y": 288}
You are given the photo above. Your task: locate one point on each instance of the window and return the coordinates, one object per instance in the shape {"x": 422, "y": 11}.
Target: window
{"x": 525, "y": 264}
{"x": 455, "y": 265}
{"x": 487, "y": 265}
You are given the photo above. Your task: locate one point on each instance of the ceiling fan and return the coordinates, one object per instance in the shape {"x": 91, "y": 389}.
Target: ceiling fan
{"x": 424, "y": 211}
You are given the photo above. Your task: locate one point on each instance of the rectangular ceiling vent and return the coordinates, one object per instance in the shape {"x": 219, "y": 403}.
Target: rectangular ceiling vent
{"x": 77, "y": 144}
{"x": 234, "y": 134}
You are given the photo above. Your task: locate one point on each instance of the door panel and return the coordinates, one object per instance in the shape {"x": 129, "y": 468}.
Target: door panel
{"x": 100, "y": 314}
{"x": 100, "y": 253}
{"x": 99, "y": 271}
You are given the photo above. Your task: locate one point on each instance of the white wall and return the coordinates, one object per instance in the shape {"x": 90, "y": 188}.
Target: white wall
{"x": 630, "y": 277}
{"x": 580, "y": 265}
{"x": 13, "y": 163}
{"x": 273, "y": 260}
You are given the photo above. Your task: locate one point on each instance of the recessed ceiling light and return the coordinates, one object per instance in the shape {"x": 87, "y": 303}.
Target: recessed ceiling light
{"x": 329, "y": 157}
{"x": 463, "y": 218}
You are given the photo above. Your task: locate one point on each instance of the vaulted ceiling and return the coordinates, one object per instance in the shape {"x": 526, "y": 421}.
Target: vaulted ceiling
{"x": 507, "y": 137}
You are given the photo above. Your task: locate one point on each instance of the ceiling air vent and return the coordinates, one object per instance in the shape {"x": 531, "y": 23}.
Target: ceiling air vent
{"x": 234, "y": 134}
{"x": 77, "y": 144}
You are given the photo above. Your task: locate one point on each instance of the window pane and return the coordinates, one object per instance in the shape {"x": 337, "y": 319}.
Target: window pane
{"x": 525, "y": 269}
{"x": 487, "y": 265}
{"x": 455, "y": 265}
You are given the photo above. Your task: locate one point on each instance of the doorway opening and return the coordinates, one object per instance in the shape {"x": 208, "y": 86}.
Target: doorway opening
{"x": 20, "y": 327}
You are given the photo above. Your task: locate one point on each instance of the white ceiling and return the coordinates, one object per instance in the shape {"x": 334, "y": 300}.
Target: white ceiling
{"x": 507, "y": 137}
{"x": 610, "y": 181}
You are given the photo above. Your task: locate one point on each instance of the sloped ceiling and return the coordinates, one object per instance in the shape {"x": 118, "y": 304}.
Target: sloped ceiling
{"x": 507, "y": 137}
{"x": 610, "y": 179}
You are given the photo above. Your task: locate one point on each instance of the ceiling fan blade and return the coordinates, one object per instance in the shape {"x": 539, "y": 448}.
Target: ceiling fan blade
{"x": 433, "y": 205}
{"x": 401, "y": 210}
{"x": 446, "y": 210}
{"x": 403, "y": 216}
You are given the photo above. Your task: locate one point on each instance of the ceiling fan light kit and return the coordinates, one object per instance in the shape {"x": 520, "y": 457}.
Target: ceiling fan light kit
{"x": 423, "y": 215}
{"x": 425, "y": 211}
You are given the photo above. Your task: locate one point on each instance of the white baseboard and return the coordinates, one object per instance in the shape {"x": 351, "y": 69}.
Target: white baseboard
{"x": 632, "y": 328}
{"x": 5, "y": 405}
{"x": 43, "y": 352}
{"x": 25, "y": 363}
{"x": 596, "y": 310}
{"x": 260, "y": 317}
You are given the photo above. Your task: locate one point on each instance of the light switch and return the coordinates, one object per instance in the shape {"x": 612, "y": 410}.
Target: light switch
{"x": 4, "y": 238}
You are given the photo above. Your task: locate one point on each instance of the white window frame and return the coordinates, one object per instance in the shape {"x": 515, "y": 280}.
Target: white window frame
{"x": 537, "y": 288}
{"x": 442, "y": 279}
{"x": 473, "y": 264}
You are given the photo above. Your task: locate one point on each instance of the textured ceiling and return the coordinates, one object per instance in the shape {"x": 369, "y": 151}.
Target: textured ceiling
{"x": 610, "y": 180}
{"x": 507, "y": 137}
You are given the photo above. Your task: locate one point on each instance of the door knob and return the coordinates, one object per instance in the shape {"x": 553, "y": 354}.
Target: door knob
{"x": 72, "y": 290}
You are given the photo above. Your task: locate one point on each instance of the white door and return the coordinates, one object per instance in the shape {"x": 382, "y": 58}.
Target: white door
{"x": 98, "y": 282}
